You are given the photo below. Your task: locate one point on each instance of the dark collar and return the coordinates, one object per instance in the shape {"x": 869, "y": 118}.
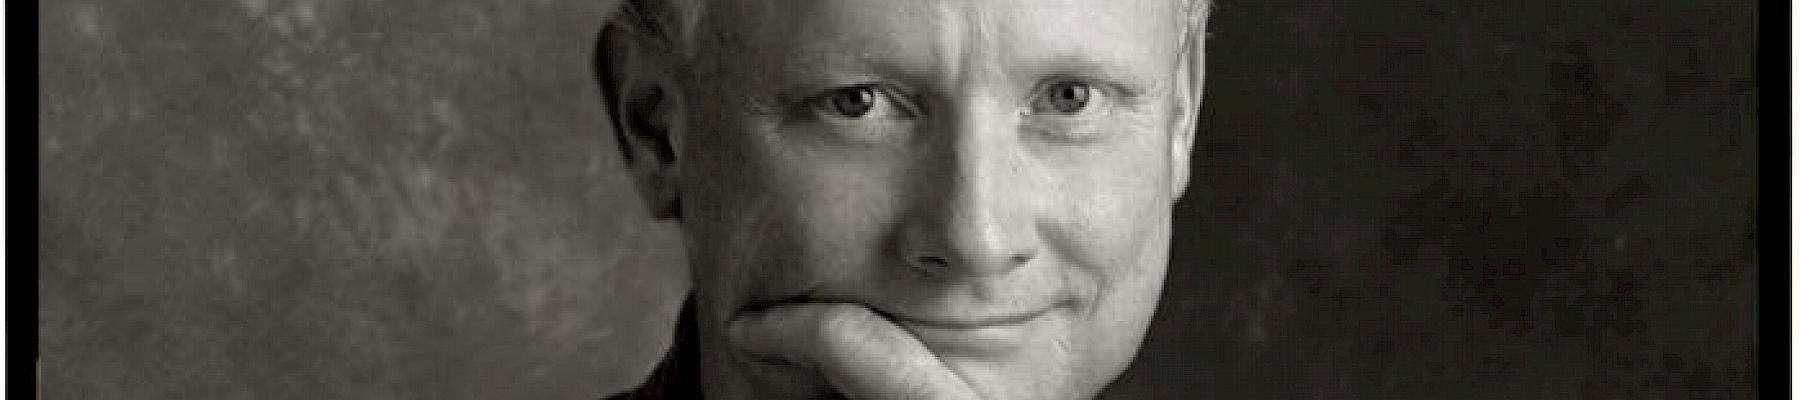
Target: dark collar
{"x": 678, "y": 375}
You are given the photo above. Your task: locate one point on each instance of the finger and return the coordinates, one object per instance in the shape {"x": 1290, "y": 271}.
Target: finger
{"x": 859, "y": 353}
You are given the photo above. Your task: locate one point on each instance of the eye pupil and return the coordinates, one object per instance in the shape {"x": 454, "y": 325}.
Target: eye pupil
{"x": 853, "y": 102}
{"x": 1069, "y": 97}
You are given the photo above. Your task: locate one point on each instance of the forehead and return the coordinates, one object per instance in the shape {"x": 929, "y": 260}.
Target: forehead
{"x": 931, "y": 35}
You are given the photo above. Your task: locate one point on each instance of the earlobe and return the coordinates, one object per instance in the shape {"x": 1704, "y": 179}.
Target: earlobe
{"x": 659, "y": 191}
{"x": 637, "y": 101}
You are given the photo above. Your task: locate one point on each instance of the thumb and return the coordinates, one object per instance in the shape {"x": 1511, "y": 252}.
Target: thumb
{"x": 856, "y": 351}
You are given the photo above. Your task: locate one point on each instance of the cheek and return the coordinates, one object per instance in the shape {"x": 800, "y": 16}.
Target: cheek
{"x": 1125, "y": 243}
{"x": 1116, "y": 205}
{"x": 843, "y": 213}
{"x": 733, "y": 214}
{"x": 794, "y": 220}
{"x": 1116, "y": 224}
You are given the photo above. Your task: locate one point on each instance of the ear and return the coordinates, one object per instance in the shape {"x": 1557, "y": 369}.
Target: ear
{"x": 636, "y": 89}
{"x": 1190, "y": 77}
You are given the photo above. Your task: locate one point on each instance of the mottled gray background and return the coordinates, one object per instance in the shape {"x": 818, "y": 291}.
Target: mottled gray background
{"x": 418, "y": 199}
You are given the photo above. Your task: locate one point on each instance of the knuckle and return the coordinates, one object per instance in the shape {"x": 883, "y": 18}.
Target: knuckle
{"x": 841, "y": 330}
{"x": 834, "y": 320}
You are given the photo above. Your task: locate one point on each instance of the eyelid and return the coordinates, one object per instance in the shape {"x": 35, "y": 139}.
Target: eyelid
{"x": 1105, "y": 93}
{"x": 1114, "y": 85}
{"x": 900, "y": 100}
{"x": 903, "y": 99}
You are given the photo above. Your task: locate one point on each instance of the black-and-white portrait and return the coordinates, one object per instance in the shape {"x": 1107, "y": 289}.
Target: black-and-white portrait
{"x": 887, "y": 200}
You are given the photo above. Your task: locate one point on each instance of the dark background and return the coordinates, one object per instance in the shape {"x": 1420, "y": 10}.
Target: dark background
{"x": 419, "y": 199}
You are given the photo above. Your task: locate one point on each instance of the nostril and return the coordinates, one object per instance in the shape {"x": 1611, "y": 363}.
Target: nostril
{"x": 939, "y": 264}
{"x": 934, "y": 261}
{"x": 1020, "y": 258}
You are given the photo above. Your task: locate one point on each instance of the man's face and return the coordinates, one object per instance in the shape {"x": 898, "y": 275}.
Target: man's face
{"x": 995, "y": 177}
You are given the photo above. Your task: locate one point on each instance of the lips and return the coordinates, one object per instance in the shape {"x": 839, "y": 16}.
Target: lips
{"x": 960, "y": 331}
{"x": 991, "y": 320}
{"x": 989, "y": 334}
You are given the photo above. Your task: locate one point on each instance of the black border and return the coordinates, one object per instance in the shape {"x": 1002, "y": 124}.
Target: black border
{"x": 22, "y": 380}
{"x": 1773, "y": 53}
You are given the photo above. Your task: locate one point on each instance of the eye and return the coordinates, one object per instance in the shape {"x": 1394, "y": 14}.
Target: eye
{"x": 1065, "y": 98}
{"x": 852, "y": 102}
{"x": 857, "y": 102}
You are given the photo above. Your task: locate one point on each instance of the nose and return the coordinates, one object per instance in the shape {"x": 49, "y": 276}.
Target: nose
{"x": 973, "y": 215}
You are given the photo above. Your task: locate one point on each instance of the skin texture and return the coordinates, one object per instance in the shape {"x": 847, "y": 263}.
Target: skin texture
{"x": 922, "y": 199}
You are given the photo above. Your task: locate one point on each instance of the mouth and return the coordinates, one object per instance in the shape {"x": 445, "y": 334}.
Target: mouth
{"x": 983, "y": 335}
{"x": 966, "y": 334}
{"x": 977, "y": 322}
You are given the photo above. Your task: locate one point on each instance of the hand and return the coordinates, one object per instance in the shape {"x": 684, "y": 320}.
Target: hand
{"x": 857, "y": 352}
